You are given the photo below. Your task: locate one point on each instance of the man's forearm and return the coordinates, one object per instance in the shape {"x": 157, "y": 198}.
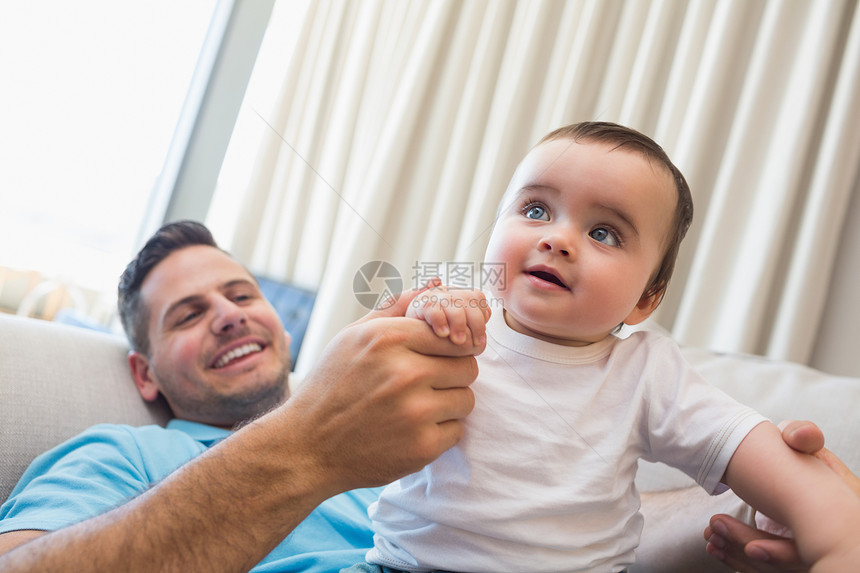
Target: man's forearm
{"x": 224, "y": 511}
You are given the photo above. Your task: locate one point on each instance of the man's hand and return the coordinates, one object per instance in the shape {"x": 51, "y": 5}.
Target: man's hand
{"x": 387, "y": 398}
{"x": 739, "y": 546}
{"x": 769, "y": 548}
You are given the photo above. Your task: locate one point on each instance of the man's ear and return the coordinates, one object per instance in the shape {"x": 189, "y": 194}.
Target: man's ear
{"x": 142, "y": 374}
{"x": 646, "y": 305}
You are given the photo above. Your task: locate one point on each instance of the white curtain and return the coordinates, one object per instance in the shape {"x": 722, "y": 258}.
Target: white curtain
{"x": 397, "y": 126}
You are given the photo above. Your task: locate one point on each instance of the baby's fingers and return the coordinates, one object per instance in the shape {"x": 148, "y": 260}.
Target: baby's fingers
{"x": 437, "y": 317}
{"x": 477, "y": 315}
{"x": 455, "y": 314}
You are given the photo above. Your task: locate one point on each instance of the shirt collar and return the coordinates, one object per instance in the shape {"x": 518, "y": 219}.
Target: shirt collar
{"x": 206, "y": 435}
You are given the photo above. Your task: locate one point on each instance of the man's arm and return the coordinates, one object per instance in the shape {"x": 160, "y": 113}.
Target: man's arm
{"x": 12, "y": 539}
{"x": 387, "y": 399}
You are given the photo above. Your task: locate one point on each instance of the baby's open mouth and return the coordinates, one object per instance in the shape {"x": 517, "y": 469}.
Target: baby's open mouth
{"x": 548, "y": 277}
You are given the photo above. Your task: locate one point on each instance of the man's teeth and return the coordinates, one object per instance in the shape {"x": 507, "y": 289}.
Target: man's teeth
{"x": 238, "y": 353}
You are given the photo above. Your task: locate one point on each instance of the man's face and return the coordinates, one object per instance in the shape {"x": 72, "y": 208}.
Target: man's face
{"x": 218, "y": 350}
{"x": 581, "y": 232}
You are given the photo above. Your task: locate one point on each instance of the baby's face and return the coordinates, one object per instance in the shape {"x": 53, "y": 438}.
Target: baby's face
{"x": 581, "y": 232}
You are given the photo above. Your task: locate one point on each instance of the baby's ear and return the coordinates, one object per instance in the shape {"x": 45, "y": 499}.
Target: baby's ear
{"x": 647, "y": 304}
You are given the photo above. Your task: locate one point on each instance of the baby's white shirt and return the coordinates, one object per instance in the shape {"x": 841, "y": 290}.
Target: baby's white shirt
{"x": 543, "y": 479}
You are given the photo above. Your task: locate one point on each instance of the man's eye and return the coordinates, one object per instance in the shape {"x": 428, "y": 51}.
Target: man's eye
{"x": 537, "y": 212}
{"x": 187, "y": 317}
{"x": 605, "y": 236}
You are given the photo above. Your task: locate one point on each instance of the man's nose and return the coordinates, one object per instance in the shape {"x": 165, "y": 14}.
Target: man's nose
{"x": 227, "y": 315}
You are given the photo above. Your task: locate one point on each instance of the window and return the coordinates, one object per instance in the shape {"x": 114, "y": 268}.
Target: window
{"x": 92, "y": 93}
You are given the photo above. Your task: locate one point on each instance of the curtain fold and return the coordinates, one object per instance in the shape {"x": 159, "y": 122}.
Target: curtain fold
{"x": 399, "y": 124}
{"x": 836, "y": 170}
{"x": 736, "y": 272}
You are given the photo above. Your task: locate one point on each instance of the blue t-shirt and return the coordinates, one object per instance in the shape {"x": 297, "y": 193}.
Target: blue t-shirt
{"x": 109, "y": 464}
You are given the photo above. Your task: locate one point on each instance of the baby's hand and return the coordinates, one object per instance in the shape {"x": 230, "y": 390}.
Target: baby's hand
{"x": 454, "y": 313}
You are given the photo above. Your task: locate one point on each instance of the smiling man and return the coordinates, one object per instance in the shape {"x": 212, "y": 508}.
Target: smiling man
{"x": 283, "y": 491}
{"x": 215, "y": 347}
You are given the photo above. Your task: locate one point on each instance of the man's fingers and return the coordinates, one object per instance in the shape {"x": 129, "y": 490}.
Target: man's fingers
{"x": 743, "y": 564}
{"x": 777, "y": 552}
{"x": 806, "y": 437}
{"x": 451, "y": 432}
{"x": 749, "y": 550}
{"x": 458, "y": 403}
{"x": 802, "y": 436}
{"x": 840, "y": 469}
{"x": 420, "y": 338}
{"x": 732, "y": 530}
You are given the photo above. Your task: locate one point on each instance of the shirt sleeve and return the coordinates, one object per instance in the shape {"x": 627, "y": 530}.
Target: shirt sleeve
{"x": 692, "y": 425}
{"x": 81, "y": 478}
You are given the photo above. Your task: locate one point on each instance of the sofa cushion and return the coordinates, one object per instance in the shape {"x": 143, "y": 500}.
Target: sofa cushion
{"x": 56, "y": 380}
{"x": 781, "y": 391}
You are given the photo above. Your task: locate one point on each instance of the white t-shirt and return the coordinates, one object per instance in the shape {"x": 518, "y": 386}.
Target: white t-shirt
{"x": 543, "y": 478}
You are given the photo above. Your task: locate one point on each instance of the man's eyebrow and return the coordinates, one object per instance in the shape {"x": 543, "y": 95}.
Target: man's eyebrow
{"x": 238, "y": 282}
{"x": 185, "y": 301}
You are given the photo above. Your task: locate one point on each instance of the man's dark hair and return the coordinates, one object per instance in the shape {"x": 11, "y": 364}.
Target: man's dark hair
{"x": 168, "y": 239}
{"x": 621, "y": 136}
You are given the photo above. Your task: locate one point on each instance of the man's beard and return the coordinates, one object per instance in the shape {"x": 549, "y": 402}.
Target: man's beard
{"x": 233, "y": 410}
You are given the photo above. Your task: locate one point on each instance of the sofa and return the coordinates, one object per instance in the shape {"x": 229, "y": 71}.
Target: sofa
{"x": 56, "y": 380}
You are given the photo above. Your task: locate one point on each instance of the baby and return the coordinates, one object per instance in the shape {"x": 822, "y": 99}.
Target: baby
{"x": 587, "y": 233}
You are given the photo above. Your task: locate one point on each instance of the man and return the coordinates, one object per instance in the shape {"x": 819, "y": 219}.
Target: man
{"x": 386, "y": 399}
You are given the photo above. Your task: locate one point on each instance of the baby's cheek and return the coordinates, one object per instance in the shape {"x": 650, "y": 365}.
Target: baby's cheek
{"x": 495, "y": 281}
{"x": 496, "y": 268}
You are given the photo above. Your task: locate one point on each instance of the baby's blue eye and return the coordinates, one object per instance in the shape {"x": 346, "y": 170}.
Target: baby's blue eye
{"x": 604, "y": 235}
{"x": 536, "y": 212}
